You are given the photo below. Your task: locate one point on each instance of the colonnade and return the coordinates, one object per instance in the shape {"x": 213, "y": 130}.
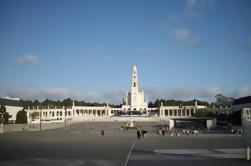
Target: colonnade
{"x": 94, "y": 112}
{"x": 176, "y": 112}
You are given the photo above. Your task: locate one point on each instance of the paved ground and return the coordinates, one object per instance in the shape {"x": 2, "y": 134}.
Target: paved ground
{"x": 82, "y": 144}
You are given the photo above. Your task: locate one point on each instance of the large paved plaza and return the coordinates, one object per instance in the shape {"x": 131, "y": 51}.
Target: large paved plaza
{"x": 82, "y": 144}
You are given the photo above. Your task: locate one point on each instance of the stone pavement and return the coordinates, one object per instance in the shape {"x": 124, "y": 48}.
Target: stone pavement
{"x": 82, "y": 144}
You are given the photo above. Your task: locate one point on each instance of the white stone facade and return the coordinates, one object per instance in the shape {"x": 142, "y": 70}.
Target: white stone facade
{"x": 12, "y": 106}
{"x": 13, "y": 110}
{"x": 75, "y": 113}
{"x": 135, "y": 100}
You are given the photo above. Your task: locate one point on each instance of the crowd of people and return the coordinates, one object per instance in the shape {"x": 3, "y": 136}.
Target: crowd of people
{"x": 162, "y": 131}
{"x": 141, "y": 134}
{"x": 237, "y": 131}
{"x": 176, "y": 131}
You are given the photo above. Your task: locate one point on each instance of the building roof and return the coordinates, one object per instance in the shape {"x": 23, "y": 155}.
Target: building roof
{"x": 9, "y": 102}
{"x": 243, "y": 100}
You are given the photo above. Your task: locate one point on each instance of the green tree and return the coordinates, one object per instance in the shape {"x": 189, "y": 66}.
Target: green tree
{"x": 34, "y": 115}
{"x": 236, "y": 118}
{"x": 223, "y": 100}
{"x": 4, "y": 115}
{"x": 21, "y": 117}
{"x": 204, "y": 113}
{"x": 67, "y": 102}
{"x": 150, "y": 105}
{"x": 26, "y": 103}
{"x": 36, "y": 103}
{"x": 157, "y": 103}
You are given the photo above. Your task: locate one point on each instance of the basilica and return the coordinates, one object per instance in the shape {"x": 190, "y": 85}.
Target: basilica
{"x": 134, "y": 101}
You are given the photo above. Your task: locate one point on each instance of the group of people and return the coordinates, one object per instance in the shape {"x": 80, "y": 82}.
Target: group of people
{"x": 141, "y": 134}
{"x": 237, "y": 131}
{"x": 176, "y": 131}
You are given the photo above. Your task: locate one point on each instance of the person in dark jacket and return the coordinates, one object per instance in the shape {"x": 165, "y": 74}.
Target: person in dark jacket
{"x": 138, "y": 135}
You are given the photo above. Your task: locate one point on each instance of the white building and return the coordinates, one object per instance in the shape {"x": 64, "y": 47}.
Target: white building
{"x": 243, "y": 102}
{"x": 179, "y": 111}
{"x": 12, "y": 106}
{"x": 135, "y": 100}
{"x": 74, "y": 113}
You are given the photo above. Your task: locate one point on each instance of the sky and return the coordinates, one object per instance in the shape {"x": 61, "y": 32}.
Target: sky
{"x": 85, "y": 50}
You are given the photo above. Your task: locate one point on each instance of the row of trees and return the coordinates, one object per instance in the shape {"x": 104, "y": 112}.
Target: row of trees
{"x": 158, "y": 102}
{"x": 66, "y": 102}
{"x": 4, "y": 116}
{"x": 221, "y": 100}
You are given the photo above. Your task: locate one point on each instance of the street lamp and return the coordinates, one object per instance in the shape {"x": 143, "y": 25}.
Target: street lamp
{"x": 40, "y": 126}
{"x": 65, "y": 114}
{"x": 1, "y": 121}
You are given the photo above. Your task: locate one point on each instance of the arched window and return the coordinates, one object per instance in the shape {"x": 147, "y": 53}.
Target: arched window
{"x": 171, "y": 112}
{"x": 60, "y": 113}
{"x": 53, "y": 113}
{"x": 166, "y": 112}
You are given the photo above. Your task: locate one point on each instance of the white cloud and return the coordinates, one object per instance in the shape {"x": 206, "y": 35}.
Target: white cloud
{"x": 185, "y": 35}
{"x": 115, "y": 96}
{"x": 198, "y": 5}
{"x": 182, "y": 93}
{"x": 242, "y": 92}
{"x": 191, "y": 3}
{"x": 27, "y": 59}
{"x": 194, "y": 42}
{"x": 181, "y": 33}
{"x": 112, "y": 96}
{"x": 249, "y": 44}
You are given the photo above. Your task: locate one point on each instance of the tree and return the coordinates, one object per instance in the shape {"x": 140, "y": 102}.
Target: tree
{"x": 203, "y": 113}
{"x": 157, "y": 103}
{"x": 236, "y": 118}
{"x": 36, "y": 103}
{"x": 150, "y": 105}
{"x": 21, "y": 117}
{"x": 4, "y": 115}
{"x": 34, "y": 115}
{"x": 67, "y": 102}
{"x": 223, "y": 100}
{"x": 26, "y": 103}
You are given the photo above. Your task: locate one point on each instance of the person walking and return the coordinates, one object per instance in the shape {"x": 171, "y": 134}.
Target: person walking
{"x": 138, "y": 135}
{"x": 163, "y": 132}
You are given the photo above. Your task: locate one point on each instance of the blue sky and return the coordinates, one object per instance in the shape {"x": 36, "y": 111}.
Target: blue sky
{"x": 183, "y": 49}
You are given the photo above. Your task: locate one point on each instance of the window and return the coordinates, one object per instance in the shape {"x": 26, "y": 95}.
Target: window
{"x": 134, "y": 84}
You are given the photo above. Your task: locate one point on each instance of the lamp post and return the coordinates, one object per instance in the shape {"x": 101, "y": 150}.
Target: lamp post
{"x": 40, "y": 125}
{"x": 65, "y": 114}
{"x": 1, "y": 121}
{"x": 2, "y": 117}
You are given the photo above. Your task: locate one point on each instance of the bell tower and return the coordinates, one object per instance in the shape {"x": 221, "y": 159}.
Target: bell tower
{"x": 134, "y": 86}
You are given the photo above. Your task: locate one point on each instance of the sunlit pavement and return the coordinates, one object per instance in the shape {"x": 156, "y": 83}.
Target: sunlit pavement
{"x": 82, "y": 144}
{"x": 189, "y": 150}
